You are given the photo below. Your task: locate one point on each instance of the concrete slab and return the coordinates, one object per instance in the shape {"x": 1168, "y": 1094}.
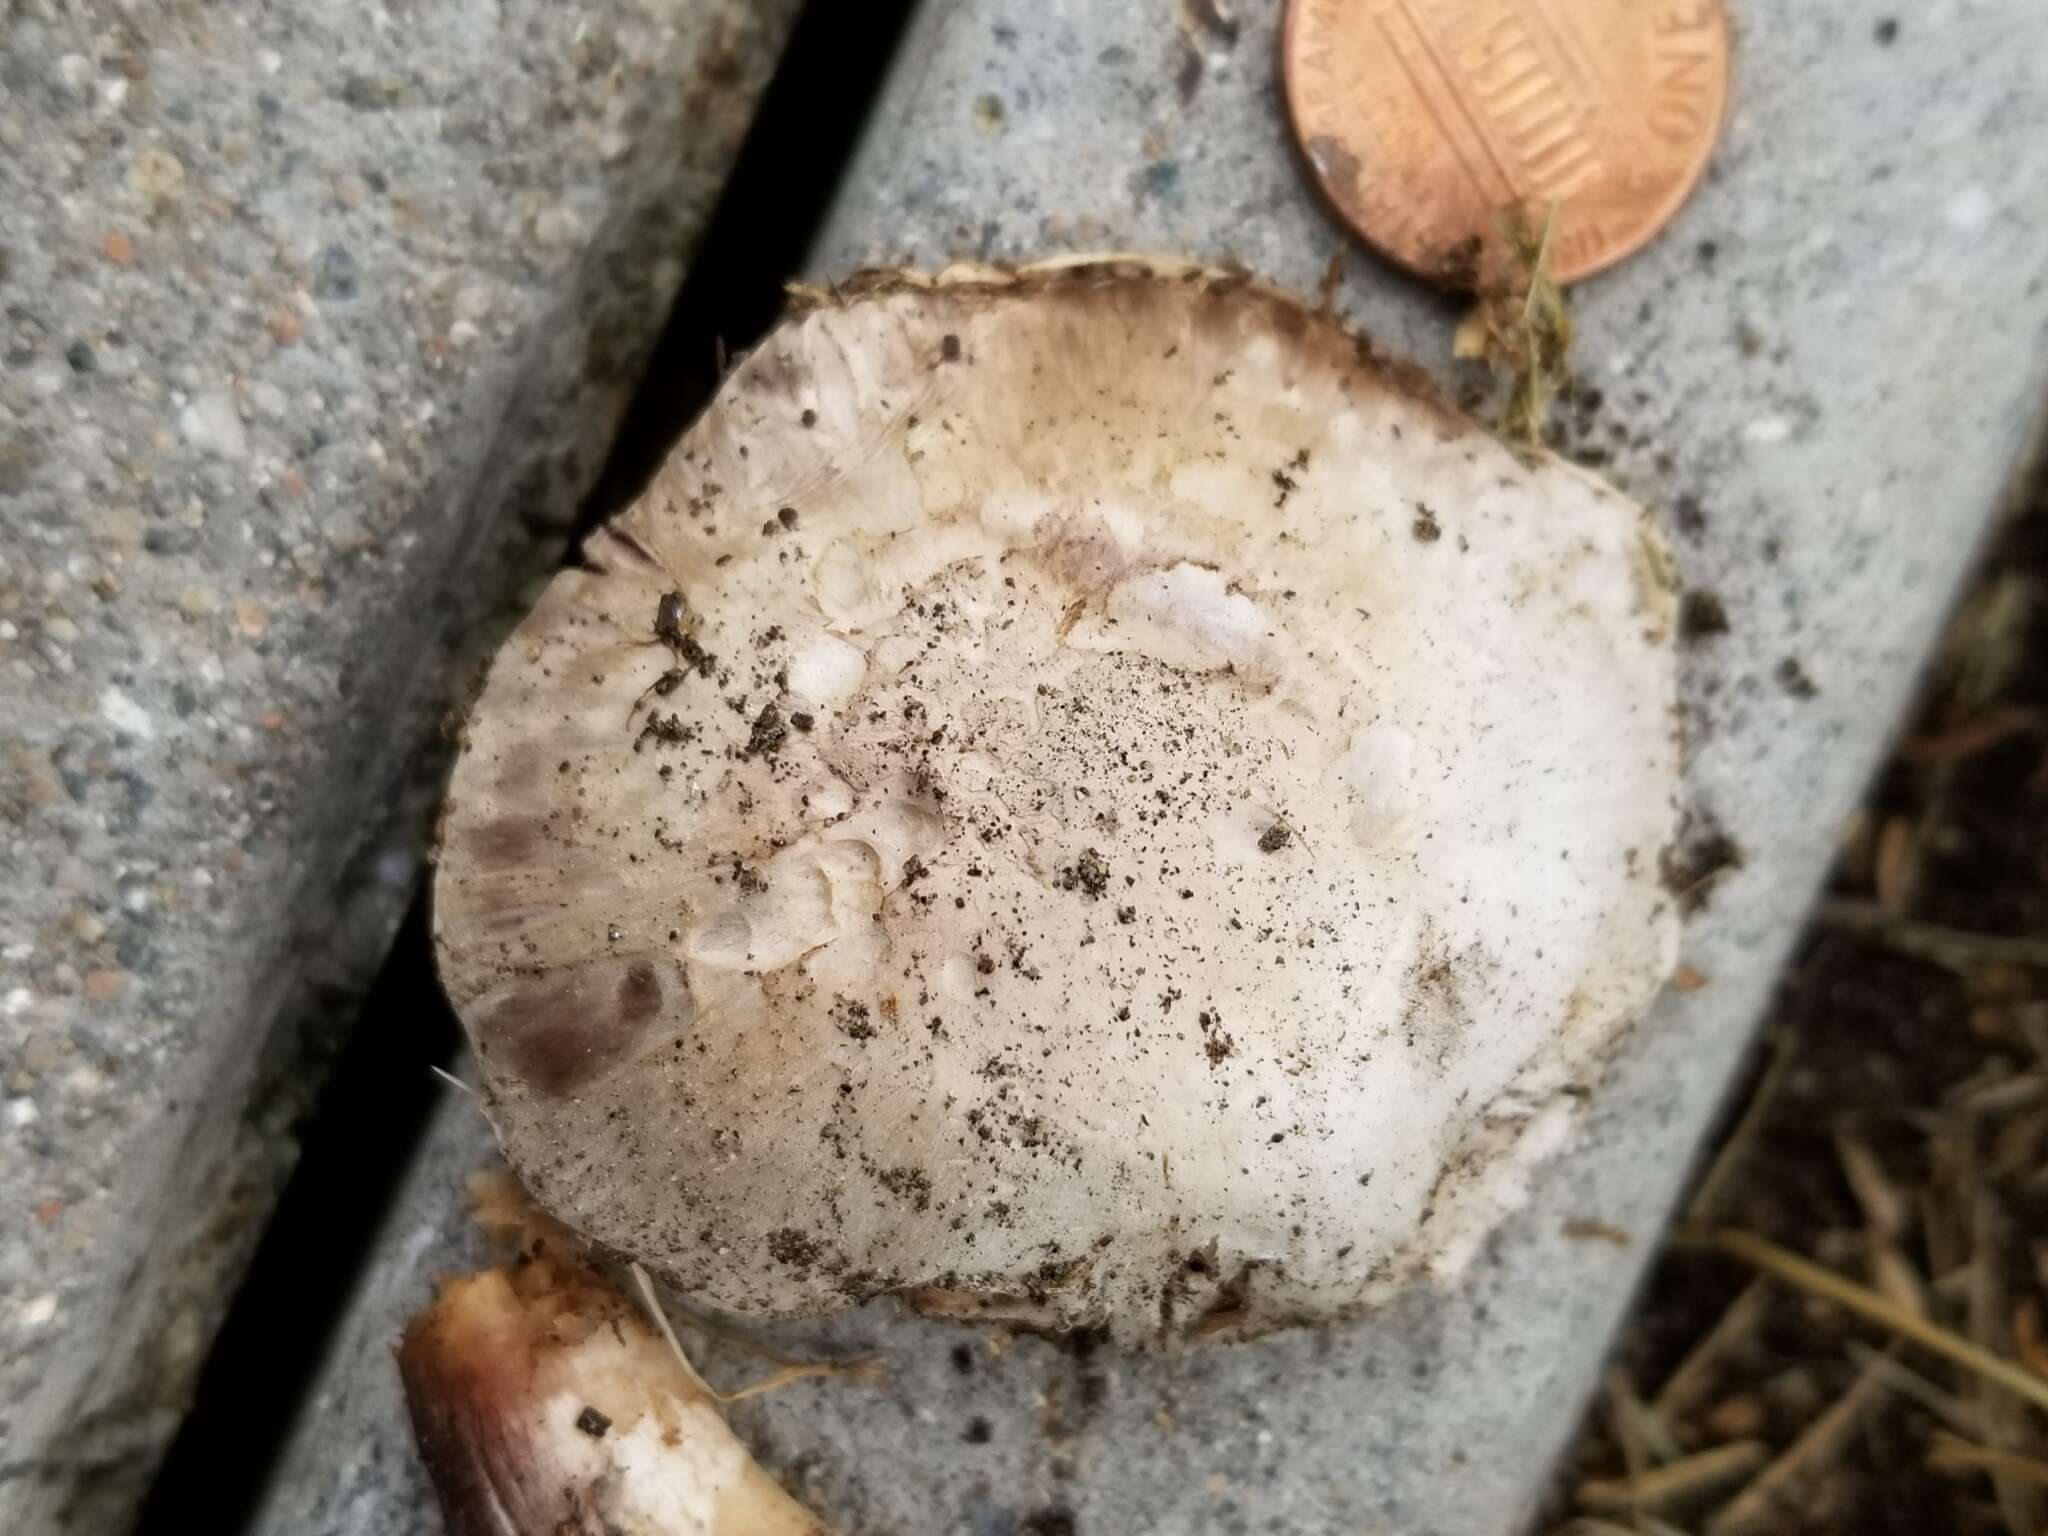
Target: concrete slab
{"x": 315, "y": 321}
{"x": 1822, "y": 374}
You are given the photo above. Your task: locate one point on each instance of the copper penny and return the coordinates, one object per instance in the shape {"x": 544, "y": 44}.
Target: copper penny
{"x": 1425, "y": 120}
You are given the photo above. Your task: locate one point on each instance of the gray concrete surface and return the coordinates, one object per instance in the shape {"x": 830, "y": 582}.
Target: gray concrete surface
{"x": 1822, "y": 374}
{"x": 315, "y": 323}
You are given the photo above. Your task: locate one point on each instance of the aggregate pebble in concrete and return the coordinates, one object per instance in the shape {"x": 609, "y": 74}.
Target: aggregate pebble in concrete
{"x": 315, "y": 322}
{"x": 1821, "y": 375}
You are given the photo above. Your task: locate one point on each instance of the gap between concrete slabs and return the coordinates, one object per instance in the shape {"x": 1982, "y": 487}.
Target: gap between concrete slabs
{"x": 1821, "y": 375}
{"x": 317, "y": 320}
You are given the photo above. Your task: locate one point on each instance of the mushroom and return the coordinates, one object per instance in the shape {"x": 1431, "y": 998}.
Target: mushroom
{"x": 545, "y": 1401}
{"x": 1085, "y": 794}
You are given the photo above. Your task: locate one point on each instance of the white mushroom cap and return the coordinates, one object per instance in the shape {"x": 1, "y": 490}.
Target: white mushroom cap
{"x": 1154, "y": 819}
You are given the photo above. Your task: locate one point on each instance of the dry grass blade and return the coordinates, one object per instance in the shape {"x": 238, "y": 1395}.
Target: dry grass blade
{"x": 1893, "y": 1276}
{"x": 1944, "y": 1224}
{"x": 2030, "y": 1336}
{"x": 1989, "y": 640}
{"x": 1883, "y": 1206}
{"x": 1756, "y": 1507}
{"x": 2001, "y": 1095}
{"x": 1643, "y": 1436}
{"x": 1713, "y": 1185}
{"x": 1980, "y": 733}
{"x": 1897, "y": 853}
{"x": 1960, "y": 1416}
{"x": 2031, "y": 1019}
{"x": 2021, "y": 1148}
{"x": 863, "y": 1370}
{"x": 1521, "y": 328}
{"x": 2004, "y": 1420}
{"x": 1866, "y": 1303}
{"x": 1546, "y": 336}
{"x": 1685, "y": 1481}
{"x": 1635, "y": 1457}
{"x": 1687, "y": 1386}
{"x": 1950, "y": 1454}
{"x": 657, "y": 1314}
{"x": 1954, "y": 949}
{"x": 866, "y": 1370}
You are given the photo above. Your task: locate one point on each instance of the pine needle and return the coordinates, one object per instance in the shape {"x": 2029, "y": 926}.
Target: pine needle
{"x": 1707, "y": 1197}
{"x": 1810, "y": 1277}
{"x": 1951, "y": 1454}
{"x": 1678, "y": 1483}
{"x": 1687, "y": 1386}
{"x": 1817, "y": 1445}
{"x": 1953, "y": 949}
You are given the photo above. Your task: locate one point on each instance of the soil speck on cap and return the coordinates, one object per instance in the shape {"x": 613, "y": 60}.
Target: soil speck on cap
{"x": 853, "y": 1020}
{"x": 908, "y": 1184}
{"x": 1426, "y": 528}
{"x": 1701, "y": 616}
{"x": 1702, "y": 854}
{"x": 1088, "y": 874}
{"x": 666, "y": 730}
{"x": 1275, "y": 837}
{"x": 794, "y": 1248}
{"x": 768, "y": 734}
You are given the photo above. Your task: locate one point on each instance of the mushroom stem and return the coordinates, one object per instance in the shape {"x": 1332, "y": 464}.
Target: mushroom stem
{"x": 544, "y": 1402}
